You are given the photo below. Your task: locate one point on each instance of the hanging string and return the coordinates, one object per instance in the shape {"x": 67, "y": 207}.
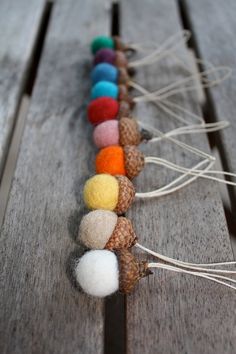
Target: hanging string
{"x": 178, "y": 168}
{"x": 165, "y": 190}
{"x": 187, "y": 265}
{"x": 175, "y": 87}
{"x": 190, "y": 129}
{"x": 163, "y": 50}
{"x": 201, "y": 275}
{"x": 185, "y": 146}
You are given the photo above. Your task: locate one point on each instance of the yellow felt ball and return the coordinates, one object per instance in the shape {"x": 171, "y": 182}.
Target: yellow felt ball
{"x": 101, "y": 192}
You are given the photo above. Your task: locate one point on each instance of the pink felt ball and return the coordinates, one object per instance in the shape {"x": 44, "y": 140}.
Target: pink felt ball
{"x": 106, "y": 134}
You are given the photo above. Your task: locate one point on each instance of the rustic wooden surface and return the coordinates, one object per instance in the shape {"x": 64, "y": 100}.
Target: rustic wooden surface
{"x": 19, "y": 27}
{"x": 41, "y": 310}
{"x": 214, "y": 29}
{"x": 172, "y": 313}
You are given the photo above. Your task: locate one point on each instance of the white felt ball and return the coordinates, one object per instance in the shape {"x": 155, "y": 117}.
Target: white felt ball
{"x": 97, "y": 227}
{"x": 97, "y": 273}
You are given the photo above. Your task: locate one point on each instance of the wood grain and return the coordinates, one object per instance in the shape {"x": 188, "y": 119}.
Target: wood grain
{"x": 41, "y": 309}
{"x": 19, "y": 26}
{"x": 214, "y": 28}
{"x": 171, "y": 313}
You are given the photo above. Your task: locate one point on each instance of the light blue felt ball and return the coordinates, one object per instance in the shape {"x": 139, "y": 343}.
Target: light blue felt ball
{"x": 104, "y": 89}
{"x": 104, "y": 72}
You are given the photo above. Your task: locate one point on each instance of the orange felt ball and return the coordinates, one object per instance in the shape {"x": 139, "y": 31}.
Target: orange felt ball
{"x": 111, "y": 160}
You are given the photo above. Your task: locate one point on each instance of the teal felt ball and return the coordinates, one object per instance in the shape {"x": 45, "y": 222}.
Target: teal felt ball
{"x": 102, "y": 42}
{"x": 104, "y": 89}
{"x": 104, "y": 72}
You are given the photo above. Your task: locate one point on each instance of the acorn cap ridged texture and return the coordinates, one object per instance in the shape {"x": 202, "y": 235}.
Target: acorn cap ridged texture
{"x": 128, "y": 132}
{"x": 130, "y": 270}
{"x": 134, "y": 161}
{"x": 126, "y": 194}
{"x": 120, "y": 59}
{"x": 123, "y": 235}
{"x": 124, "y": 109}
{"x": 119, "y": 45}
{"x": 123, "y": 77}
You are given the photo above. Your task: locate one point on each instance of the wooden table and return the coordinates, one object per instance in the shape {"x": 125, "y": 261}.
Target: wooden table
{"x": 44, "y": 55}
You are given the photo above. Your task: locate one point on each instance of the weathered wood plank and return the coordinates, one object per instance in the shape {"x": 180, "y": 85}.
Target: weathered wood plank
{"x": 19, "y": 27}
{"x": 213, "y": 25}
{"x": 172, "y": 313}
{"x": 41, "y": 310}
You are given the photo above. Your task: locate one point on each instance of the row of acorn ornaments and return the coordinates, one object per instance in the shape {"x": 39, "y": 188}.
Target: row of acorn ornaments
{"x": 110, "y": 266}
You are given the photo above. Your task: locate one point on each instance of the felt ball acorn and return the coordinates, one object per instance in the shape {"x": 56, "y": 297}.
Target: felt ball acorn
{"x": 101, "y": 272}
{"x": 113, "y": 132}
{"x": 108, "y": 72}
{"x": 114, "y": 57}
{"x": 102, "y": 42}
{"x": 109, "y": 89}
{"x": 103, "y": 229}
{"x": 102, "y": 109}
{"x": 116, "y": 160}
{"x": 103, "y": 191}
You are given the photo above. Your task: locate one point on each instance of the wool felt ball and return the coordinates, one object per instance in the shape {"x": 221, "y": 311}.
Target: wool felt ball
{"x": 111, "y": 160}
{"x": 104, "y": 72}
{"x": 102, "y": 109}
{"x": 105, "y": 55}
{"x": 97, "y": 227}
{"x": 102, "y": 42}
{"x": 100, "y": 192}
{"x": 126, "y": 160}
{"x": 123, "y": 132}
{"x": 101, "y": 273}
{"x": 97, "y": 272}
{"x": 101, "y": 229}
{"x": 104, "y": 89}
{"x": 106, "y": 134}
{"x": 116, "y": 58}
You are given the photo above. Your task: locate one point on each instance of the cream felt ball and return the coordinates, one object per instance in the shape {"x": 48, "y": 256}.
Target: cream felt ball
{"x": 98, "y": 273}
{"x": 97, "y": 227}
{"x": 106, "y": 134}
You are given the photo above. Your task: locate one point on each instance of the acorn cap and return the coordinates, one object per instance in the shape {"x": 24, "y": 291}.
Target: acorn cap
{"x": 134, "y": 161}
{"x": 128, "y": 132}
{"x": 124, "y": 109}
{"x": 130, "y": 270}
{"x": 123, "y": 93}
{"x": 119, "y": 45}
{"x": 123, "y": 236}
{"x": 126, "y": 194}
{"x": 123, "y": 77}
{"x": 120, "y": 59}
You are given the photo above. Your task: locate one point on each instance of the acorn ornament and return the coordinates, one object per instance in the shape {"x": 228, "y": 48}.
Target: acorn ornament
{"x": 103, "y": 191}
{"x": 104, "y": 229}
{"x": 121, "y": 132}
{"x": 108, "y": 72}
{"x": 102, "y": 42}
{"x": 102, "y": 109}
{"x": 117, "y": 160}
{"x": 109, "y": 89}
{"x": 101, "y": 273}
{"x": 110, "y": 56}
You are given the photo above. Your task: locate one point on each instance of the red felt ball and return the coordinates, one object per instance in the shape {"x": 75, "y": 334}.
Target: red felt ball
{"x": 102, "y": 109}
